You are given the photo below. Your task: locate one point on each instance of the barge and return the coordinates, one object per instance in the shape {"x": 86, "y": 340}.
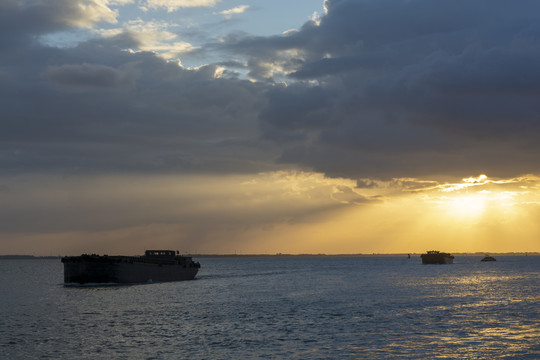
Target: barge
{"x": 488, "y": 258}
{"x": 436, "y": 257}
{"x": 153, "y": 266}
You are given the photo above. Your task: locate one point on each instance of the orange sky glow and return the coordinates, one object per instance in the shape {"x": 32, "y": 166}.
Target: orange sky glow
{"x": 268, "y": 213}
{"x": 220, "y": 127}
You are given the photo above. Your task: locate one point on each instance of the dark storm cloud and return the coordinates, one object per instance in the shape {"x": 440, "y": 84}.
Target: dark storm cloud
{"x": 87, "y": 75}
{"x": 144, "y": 115}
{"x": 99, "y": 108}
{"x": 376, "y": 89}
{"x": 20, "y": 18}
{"x": 393, "y": 88}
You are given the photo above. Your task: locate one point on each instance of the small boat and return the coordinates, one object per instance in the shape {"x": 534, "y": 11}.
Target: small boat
{"x": 488, "y": 258}
{"x": 437, "y": 257}
{"x": 153, "y": 266}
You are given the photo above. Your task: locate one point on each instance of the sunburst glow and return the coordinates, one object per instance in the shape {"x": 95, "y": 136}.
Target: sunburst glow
{"x": 467, "y": 206}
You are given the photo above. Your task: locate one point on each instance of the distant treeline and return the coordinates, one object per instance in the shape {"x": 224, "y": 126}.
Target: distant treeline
{"x": 31, "y": 257}
{"x": 26, "y": 257}
{"x": 362, "y": 255}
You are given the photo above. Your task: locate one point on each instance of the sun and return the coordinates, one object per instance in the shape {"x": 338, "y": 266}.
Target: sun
{"x": 468, "y": 199}
{"x": 467, "y": 206}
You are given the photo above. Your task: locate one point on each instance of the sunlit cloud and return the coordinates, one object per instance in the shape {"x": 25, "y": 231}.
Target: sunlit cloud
{"x": 152, "y": 36}
{"x": 173, "y": 5}
{"x": 75, "y": 13}
{"x": 121, "y": 2}
{"x": 234, "y": 11}
{"x": 483, "y": 180}
{"x": 95, "y": 11}
{"x": 219, "y": 72}
{"x": 480, "y": 182}
{"x": 480, "y": 202}
{"x": 470, "y": 199}
{"x": 283, "y": 63}
{"x": 316, "y": 18}
{"x": 467, "y": 182}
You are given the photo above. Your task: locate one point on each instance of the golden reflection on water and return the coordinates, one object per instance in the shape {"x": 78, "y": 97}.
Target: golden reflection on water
{"x": 468, "y": 317}
{"x": 483, "y": 279}
{"x": 516, "y": 332}
{"x": 472, "y": 341}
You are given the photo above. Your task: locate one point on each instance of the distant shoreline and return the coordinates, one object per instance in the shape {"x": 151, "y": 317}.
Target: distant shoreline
{"x": 26, "y": 257}
{"x": 33, "y": 257}
{"x": 365, "y": 255}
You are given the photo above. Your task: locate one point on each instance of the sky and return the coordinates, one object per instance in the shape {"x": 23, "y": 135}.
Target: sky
{"x": 251, "y": 127}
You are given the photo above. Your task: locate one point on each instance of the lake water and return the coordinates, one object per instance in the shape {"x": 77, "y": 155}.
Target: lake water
{"x": 280, "y": 308}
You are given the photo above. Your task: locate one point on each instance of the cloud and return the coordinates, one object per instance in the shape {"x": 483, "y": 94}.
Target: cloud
{"x": 152, "y": 36}
{"x": 287, "y": 210}
{"x": 88, "y": 75}
{"x": 370, "y": 102}
{"x": 99, "y": 107}
{"x": 234, "y": 11}
{"x": 370, "y": 90}
{"x": 47, "y": 203}
{"x": 203, "y": 213}
{"x": 154, "y": 116}
{"x": 404, "y": 88}
{"x": 45, "y": 16}
{"x": 173, "y": 5}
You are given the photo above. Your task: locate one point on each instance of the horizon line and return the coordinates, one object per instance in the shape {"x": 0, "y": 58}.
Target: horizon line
{"x": 476, "y": 253}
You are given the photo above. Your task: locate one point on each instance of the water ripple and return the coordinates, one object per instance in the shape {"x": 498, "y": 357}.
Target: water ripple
{"x": 270, "y": 308}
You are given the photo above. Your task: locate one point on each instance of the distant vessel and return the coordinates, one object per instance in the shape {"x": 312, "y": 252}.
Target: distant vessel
{"x": 153, "y": 266}
{"x": 436, "y": 257}
{"x": 488, "y": 258}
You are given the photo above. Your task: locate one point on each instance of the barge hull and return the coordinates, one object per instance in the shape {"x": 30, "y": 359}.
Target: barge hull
{"x": 155, "y": 266}
{"x": 141, "y": 273}
{"x": 125, "y": 273}
{"x": 442, "y": 260}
